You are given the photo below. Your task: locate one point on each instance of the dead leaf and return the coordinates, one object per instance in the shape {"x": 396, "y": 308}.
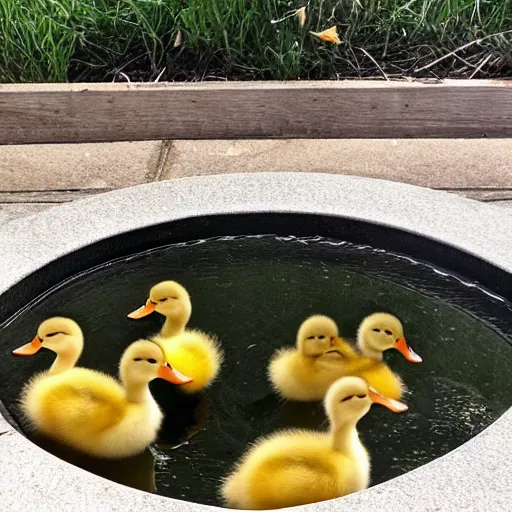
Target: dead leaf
{"x": 301, "y": 14}
{"x": 178, "y": 40}
{"x": 330, "y": 35}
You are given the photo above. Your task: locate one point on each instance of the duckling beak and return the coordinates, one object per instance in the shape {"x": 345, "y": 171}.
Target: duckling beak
{"x": 392, "y": 405}
{"x": 143, "y": 311}
{"x": 172, "y": 375}
{"x": 406, "y": 351}
{"x": 30, "y": 348}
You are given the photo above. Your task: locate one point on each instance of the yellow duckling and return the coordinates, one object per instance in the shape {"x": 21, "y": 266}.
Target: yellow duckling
{"x": 60, "y": 335}
{"x": 190, "y": 351}
{"x": 319, "y": 358}
{"x": 377, "y": 333}
{"x": 297, "y": 467}
{"x": 91, "y": 411}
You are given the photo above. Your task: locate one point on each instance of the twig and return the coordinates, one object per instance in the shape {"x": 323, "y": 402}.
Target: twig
{"x": 463, "y": 47}
{"x": 481, "y": 65}
{"x": 375, "y": 62}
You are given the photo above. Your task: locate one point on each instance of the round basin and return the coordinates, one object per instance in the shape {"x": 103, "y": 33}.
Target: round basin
{"x": 259, "y": 253}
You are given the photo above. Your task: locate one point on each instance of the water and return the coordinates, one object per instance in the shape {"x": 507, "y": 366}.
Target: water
{"x": 253, "y": 292}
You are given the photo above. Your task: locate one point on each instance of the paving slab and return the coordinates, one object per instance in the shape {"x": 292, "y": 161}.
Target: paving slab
{"x": 443, "y": 163}
{"x": 75, "y": 166}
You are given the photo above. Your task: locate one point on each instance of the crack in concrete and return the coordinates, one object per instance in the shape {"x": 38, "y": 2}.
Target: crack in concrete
{"x": 165, "y": 151}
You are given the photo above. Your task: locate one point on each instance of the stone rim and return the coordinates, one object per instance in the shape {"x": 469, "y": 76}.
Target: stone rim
{"x": 481, "y": 230}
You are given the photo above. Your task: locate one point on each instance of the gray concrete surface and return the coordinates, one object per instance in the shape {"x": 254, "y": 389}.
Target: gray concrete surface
{"x": 77, "y": 166}
{"x": 442, "y": 164}
{"x": 476, "y": 476}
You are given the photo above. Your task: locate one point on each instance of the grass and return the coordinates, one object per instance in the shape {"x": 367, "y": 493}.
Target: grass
{"x": 105, "y": 40}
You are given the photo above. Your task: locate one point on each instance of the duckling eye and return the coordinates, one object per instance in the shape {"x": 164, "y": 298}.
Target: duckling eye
{"x": 163, "y": 300}
{"x": 175, "y": 298}
{"x": 311, "y": 337}
{"x": 51, "y": 335}
{"x": 138, "y": 359}
{"x": 388, "y": 332}
{"x": 321, "y": 337}
{"x": 152, "y": 361}
{"x": 376, "y": 330}
{"x": 347, "y": 398}
{"x": 361, "y": 396}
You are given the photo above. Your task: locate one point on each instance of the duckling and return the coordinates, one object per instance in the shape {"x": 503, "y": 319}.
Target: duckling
{"x": 379, "y": 332}
{"x": 94, "y": 413}
{"x": 190, "y": 351}
{"x": 60, "y": 335}
{"x": 320, "y": 357}
{"x": 298, "y": 467}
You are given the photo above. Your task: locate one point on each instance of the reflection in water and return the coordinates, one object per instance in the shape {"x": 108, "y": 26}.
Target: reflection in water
{"x": 253, "y": 293}
{"x": 137, "y": 471}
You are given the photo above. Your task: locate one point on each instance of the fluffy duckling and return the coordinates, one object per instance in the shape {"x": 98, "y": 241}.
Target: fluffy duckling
{"x": 306, "y": 371}
{"x": 190, "y": 351}
{"x": 377, "y": 333}
{"x": 60, "y": 335}
{"x": 93, "y": 413}
{"x": 298, "y": 467}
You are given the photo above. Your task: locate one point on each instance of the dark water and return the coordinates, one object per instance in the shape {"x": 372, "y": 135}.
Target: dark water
{"x": 253, "y": 292}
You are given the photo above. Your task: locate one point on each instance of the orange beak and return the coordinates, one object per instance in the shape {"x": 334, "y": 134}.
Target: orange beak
{"x": 172, "y": 375}
{"x": 406, "y": 351}
{"x": 392, "y": 405}
{"x": 143, "y": 311}
{"x": 30, "y": 348}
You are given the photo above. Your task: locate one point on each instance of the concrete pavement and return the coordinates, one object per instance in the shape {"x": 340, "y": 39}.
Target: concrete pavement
{"x": 35, "y": 177}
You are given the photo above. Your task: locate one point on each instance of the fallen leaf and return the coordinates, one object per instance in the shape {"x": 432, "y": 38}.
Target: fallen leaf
{"x": 330, "y": 35}
{"x": 301, "y": 14}
{"x": 178, "y": 40}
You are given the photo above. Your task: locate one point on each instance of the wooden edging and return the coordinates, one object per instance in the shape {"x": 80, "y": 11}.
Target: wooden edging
{"x": 53, "y": 113}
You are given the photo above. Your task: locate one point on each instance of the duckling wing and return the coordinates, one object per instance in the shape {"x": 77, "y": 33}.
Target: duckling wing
{"x": 76, "y": 403}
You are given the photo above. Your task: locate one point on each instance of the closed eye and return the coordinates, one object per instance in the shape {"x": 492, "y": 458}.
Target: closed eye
{"x": 51, "y": 335}
{"x": 163, "y": 300}
{"x": 321, "y": 337}
{"x": 311, "y": 337}
{"x": 347, "y": 398}
{"x": 138, "y": 359}
{"x": 376, "y": 330}
{"x": 152, "y": 361}
{"x": 361, "y": 396}
{"x": 388, "y": 332}
{"x": 175, "y": 298}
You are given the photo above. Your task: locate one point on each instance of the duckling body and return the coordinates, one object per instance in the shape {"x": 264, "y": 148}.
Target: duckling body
{"x": 194, "y": 354}
{"x": 190, "y": 351}
{"x": 321, "y": 357}
{"x": 297, "y": 467}
{"x": 90, "y": 411}
{"x": 94, "y": 413}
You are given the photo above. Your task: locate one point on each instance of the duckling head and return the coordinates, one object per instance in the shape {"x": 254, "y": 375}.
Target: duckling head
{"x": 58, "y": 334}
{"x": 168, "y": 298}
{"x": 380, "y": 332}
{"x": 350, "y": 398}
{"x": 144, "y": 361}
{"x": 318, "y": 337}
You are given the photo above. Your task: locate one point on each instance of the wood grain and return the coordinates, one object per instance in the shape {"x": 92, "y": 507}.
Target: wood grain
{"x": 352, "y": 109}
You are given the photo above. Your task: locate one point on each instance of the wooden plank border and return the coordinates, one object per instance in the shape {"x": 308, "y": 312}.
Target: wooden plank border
{"x": 57, "y": 113}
